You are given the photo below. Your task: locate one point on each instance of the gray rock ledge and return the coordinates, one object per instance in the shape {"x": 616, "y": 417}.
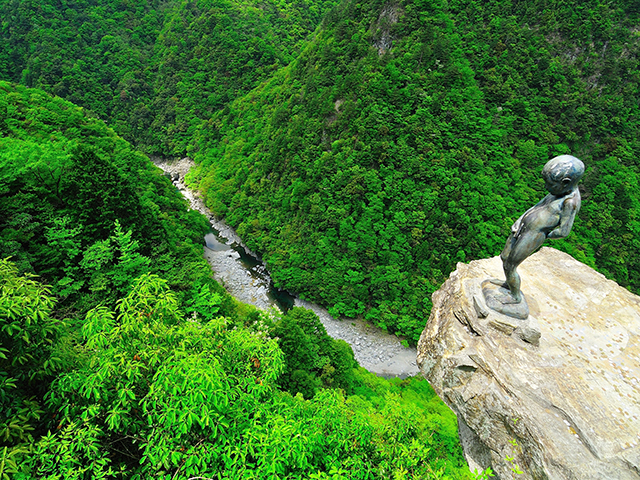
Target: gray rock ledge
{"x": 566, "y": 408}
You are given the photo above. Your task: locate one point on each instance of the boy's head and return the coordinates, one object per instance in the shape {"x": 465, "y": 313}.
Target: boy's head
{"x": 561, "y": 174}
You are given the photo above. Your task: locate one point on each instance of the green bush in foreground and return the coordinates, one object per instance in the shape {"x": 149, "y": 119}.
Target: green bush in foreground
{"x": 27, "y": 361}
{"x": 157, "y": 396}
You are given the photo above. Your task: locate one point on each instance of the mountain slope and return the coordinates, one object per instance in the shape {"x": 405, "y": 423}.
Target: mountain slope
{"x": 211, "y": 52}
{"x": 66, "y": 179}
{"x": 407, "y": 137}
{"x": 152, "y": 70}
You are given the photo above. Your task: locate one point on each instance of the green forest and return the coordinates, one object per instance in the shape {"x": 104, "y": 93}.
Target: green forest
{"x": 407, "y": 138}
{"x": 361, "y": 147}
{"x": 121, "y": 357}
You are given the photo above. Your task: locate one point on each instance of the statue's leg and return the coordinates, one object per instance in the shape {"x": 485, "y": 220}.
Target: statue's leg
{"x": 513, "y": 281}
{"x": 518, "y": 251}
{"x": 506, "y": 251}
{"x": 508, "y": 299}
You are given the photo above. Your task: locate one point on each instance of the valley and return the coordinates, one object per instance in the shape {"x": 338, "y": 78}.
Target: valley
{"x": 353, "y": 152}
{"x": 243, "y": 275}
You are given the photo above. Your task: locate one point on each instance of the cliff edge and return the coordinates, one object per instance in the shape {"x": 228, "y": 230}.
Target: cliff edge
{"x": 564, "y": 405}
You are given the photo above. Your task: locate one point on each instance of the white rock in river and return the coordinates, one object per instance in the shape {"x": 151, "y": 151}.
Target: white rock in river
{"x": 568, "y": 408}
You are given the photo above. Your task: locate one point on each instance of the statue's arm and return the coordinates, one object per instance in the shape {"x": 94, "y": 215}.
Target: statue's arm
{"x": 570, "y": 208}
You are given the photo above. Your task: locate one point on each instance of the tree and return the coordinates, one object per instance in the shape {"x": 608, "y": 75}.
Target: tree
{"x": 313, "y": 359}
{"x": 156, "y": 394}
{"x": 98, "y": 195}
{"x": 28, "y": 336}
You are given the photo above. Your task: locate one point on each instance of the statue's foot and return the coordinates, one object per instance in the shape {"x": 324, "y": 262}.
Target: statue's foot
{"x": 499, "y": 298}
{"x": 506, "y": 298}
{"x": 504, "y": 292}
{"x": 500, "y": 283}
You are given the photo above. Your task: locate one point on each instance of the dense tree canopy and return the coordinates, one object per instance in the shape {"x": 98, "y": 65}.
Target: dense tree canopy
{"x": 153, "y": 70}
{"x": 365, "y": 162}
{"x": 362, "y": 147}
{"x": 406, "y": 138}
{"x": 115, "y": 372}
{"x": 148, "y": 393}
{"x": 69, "y": 183}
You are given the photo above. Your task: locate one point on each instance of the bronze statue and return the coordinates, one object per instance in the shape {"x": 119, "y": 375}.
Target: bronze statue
{"x": 551, "y": 217}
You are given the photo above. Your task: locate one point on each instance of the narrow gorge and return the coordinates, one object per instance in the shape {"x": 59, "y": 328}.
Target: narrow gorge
{"x": 244, "y": 276}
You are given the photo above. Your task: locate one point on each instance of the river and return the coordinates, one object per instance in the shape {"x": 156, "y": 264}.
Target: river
{"x": 244, "y": 276}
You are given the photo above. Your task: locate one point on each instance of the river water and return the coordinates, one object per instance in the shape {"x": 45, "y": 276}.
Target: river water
{"x": 244, "y": 276}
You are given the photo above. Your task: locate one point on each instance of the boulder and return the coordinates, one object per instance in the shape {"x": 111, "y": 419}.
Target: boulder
{"x": 562, "y": 405}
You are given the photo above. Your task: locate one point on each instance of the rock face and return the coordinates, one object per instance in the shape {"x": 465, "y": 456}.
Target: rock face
{"x": 562, "y": 406}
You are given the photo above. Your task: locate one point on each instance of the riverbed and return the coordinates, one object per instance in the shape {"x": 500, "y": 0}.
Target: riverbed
{"x": 244, "y": 276}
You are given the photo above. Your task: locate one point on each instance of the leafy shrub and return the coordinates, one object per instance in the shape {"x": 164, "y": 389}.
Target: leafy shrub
{"x": 28, "y": 335}
{"x": 313, "y": 359}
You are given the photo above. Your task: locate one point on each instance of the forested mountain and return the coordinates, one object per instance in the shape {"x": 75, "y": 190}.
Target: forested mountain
{"x": 402, "y": 138}
{"x": 361, "y": 147}
{"x": 211, "y": 52}
{"x": 153, "y": 70}
{"x": 409, "y": 136}
{"x": 71, "y": 189}
{"x": 94, "y": 54}
{"x": 134, "y": 363}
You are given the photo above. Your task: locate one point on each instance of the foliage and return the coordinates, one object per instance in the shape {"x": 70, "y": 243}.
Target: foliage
{"x": 27, "y": 360}
{"x": 155, "y": 387}
{"x": 160, "y": 396}
{"x": 205, "y": 304}
{"x": 95, "y": 54}
{"x": 407, "y": 137}
{"x": 155, "y": 70}
{"x": 108, "y": 266}
{"x": 210, "y": 52}
{"x": 312, "y": 358}
{"x": 400, "y": 140}
{"x": 363, "y": 164}
{"x": 84, "y": 210}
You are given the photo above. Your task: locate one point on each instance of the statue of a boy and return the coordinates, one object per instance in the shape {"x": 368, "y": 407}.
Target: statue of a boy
{"x": 551, "y": 217}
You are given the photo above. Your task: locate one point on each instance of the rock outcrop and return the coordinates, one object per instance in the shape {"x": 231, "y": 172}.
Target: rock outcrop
{"x": 562, "y": 406}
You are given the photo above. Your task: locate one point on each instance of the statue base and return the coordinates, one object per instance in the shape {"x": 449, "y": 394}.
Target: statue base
{"x": 498, "y": 298}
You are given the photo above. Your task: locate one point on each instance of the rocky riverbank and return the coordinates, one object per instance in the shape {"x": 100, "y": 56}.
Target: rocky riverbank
{"x": 249, "y": 282}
